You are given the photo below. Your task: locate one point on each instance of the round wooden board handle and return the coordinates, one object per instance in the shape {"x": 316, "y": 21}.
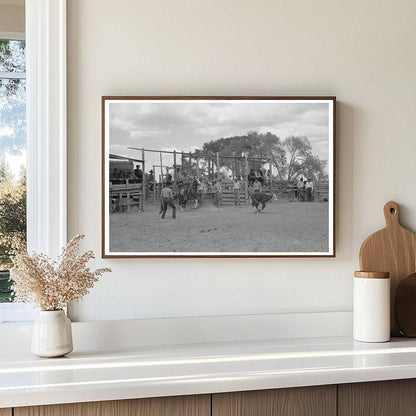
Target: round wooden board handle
{"x": 391, "y": 214}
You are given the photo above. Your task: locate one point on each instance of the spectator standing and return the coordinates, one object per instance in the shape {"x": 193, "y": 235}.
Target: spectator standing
{"x": 202, "y": 189}
{"x": 217, "y": 193}
{"x": 268, "y": 178}
{"x": 236, "y": 189}
{"x": 299, "y": 189}
{"x": 309, "y": 190}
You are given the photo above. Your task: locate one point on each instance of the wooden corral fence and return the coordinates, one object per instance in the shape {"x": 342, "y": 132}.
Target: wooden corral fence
{"x": 125, "y": 195}
{"x": 321, "y": 191}
{"x": 153, "y": 193}
{"x": 227, "y": 193}
{"x": 128, "y": 193}
{"x": 282, "y": 189}
{"x": 285, "y": 189}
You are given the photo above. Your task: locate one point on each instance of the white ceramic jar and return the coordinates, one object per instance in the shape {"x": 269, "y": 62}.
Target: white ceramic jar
{"x": 371, "y": 313}
{"x": 52, "y": 334}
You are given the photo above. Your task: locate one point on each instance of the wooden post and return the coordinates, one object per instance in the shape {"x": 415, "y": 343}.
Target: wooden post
{"x": 182, "y": 161}
{"x": 246, "y": 178}
{"x": 197, "y": 167}
{"x": 190, "y": 164}
{"x": 143, "y": 182}
{"x": 175, "y": 179}
{"x": 218, "y": 166}
{"x": 161, "y": 169}
{"x": 271, "y": 175}
{"x": 154, "y": 186}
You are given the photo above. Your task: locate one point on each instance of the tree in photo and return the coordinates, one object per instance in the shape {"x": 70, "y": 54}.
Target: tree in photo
{"x": 290, "y": 158}
{"x": 12, "y": 223}
{"x": 314, "y": 168}
{"x": 252, "y": 145}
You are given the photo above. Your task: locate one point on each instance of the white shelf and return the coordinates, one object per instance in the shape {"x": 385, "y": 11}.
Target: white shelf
{"x": 151, "y": 371}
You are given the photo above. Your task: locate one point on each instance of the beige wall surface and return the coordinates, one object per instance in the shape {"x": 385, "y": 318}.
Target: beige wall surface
{"x": 361, "y": 51}
{"x": 12, "y": 18}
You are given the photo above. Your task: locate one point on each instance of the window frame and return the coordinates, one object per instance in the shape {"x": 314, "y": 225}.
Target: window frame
{"x": 12, "y": 35}
{"x": 46, "y": 137}
{"x": 46, "y": 125}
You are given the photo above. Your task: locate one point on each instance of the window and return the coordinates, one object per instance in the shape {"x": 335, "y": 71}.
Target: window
{"x": 12, "y": 153}
{"x": 45, "y": 89}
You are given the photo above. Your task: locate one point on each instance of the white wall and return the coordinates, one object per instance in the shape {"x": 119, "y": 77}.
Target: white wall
{"x": 361, "y": 51}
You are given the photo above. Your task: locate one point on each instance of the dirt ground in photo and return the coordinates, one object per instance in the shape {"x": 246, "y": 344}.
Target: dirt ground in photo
{"x": 283, "y": 227}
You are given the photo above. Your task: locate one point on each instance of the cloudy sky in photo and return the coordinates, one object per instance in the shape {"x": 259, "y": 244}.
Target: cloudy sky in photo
{"x": 186, "y": 126}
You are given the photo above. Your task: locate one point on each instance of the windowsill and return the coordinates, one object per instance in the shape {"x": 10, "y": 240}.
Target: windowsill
{"x": 16, "y": 313}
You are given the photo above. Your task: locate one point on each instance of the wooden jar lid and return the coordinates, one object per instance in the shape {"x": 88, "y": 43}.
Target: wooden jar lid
{"x": 372, "y": 275}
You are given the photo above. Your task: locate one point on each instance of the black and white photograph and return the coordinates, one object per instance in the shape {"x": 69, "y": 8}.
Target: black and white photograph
{"x": 218, "y": 176}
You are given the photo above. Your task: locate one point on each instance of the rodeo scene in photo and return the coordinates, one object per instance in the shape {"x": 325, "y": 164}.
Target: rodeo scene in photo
{"x": 218, "y": 176}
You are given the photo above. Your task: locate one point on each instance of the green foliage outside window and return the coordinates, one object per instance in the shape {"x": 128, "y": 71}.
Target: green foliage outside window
{"x": 12, "y": 223}
{"x": 12, "y": 145}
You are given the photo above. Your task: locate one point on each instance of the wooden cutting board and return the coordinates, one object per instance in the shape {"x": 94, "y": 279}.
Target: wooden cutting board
{"x": 393, "y": 250}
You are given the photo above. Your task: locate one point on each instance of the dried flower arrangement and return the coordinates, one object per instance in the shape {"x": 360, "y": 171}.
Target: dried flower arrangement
{"x": 53, "y": 285}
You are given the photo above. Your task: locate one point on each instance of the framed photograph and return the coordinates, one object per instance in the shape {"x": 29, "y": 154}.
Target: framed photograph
{"x": 218, "y": 176}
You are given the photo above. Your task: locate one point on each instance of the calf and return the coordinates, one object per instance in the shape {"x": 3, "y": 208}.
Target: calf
{"x": 261, "y": 198}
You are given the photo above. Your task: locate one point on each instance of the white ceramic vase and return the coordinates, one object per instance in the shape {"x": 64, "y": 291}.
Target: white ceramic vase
{"x": 52, "y": 334}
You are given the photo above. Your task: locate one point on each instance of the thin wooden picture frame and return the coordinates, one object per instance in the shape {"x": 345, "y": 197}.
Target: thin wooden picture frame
{"x": 127, "y": 120}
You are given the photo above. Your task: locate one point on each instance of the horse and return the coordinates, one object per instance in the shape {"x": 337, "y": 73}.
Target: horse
{"x": 181, "y": 197}
{"x": 186, "y": 193}
{"x": 192, "y": 194}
